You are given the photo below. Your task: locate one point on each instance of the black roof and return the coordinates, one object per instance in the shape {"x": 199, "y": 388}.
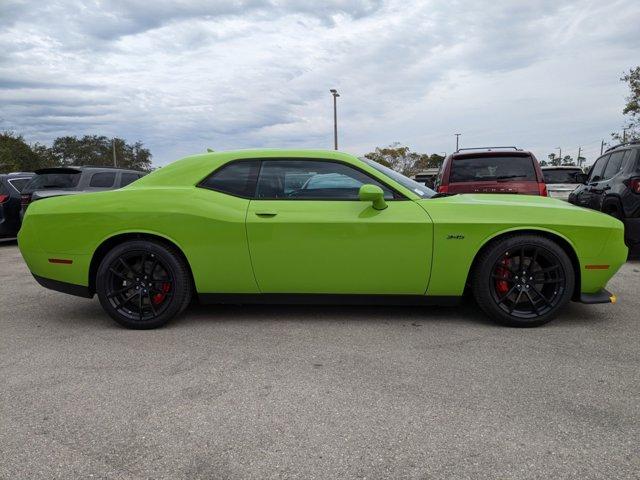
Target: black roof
{"x": 80, "y": 169}
{"x": 624, "y": 144}
{"x": 17, "y": 175}
{"x": 490, "y": 152}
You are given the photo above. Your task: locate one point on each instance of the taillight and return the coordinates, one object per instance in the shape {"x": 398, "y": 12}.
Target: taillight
{"x": 443, "y": 189}
{"x": 3, "y": 198}
{"x": 542, "y": 190}
{"x": 632, "y": 183}
{"x": 25, "y": 199}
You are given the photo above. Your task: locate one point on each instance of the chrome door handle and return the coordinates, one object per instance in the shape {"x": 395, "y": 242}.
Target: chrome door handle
{"x": 266, "y": 214}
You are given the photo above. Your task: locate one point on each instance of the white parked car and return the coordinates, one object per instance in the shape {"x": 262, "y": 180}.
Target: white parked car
{"x": 561, "y": 181}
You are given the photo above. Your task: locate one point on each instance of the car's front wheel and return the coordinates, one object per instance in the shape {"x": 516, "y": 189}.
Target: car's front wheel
{"x": 143, "y": 284}
{"x": 523, "y": 280}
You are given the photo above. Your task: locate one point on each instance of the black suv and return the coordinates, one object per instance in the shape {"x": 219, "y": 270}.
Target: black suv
{"x": 53, "y": 182}
{"x": 613, "y": 187}
{"x": 10, "y": 187}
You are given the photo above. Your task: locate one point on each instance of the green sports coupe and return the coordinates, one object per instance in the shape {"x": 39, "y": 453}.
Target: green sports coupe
{"x": 279, "y": 226}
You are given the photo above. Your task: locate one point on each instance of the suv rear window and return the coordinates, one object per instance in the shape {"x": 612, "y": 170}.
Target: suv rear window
{"x": 52, "y": 181}
{"x": 484, "y": 169}
{"x": 561, "y": 175}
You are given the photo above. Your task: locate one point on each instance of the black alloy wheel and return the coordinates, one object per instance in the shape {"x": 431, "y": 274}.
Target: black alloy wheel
{"x": 523, "y": 280}
{"x": 143, "y": 284}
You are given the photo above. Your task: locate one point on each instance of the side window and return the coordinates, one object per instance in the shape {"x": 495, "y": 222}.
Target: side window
{"x": 127, "y": 178}
{"x": 236, "y": 178}
{"x": 103, "y": 179}
{"x": 614, "y": 165}
{"x": 312, "y": 180}
{"x": 598, "y": 168}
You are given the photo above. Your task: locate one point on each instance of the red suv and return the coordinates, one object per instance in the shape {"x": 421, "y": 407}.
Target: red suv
{"x": 491, "y": 170}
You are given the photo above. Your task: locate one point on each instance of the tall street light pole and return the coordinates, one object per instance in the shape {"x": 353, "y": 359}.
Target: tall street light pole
{"x": 335, "y": 94}
{"x": 457, "y": 141}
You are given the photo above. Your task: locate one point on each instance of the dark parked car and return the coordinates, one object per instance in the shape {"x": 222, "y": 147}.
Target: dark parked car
{"x": 53, "y": 182}
{"x": 491, "y": 170}
{"x": 10, "y": 187}
{"x": 613, "y": 187}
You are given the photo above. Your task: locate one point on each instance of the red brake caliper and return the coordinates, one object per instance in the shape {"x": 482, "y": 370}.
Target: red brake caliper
{"x": 501, "y": 285}
{"x": 158, "y": 298}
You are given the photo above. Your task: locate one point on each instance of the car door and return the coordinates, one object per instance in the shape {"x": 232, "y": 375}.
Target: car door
{"x": 586, "y": 196}
{"x": 309, "y": 233}
{"x": 601, "y": 186}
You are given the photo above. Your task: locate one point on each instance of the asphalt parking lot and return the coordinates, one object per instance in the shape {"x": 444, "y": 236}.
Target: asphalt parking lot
{"x": 315, "y": 392}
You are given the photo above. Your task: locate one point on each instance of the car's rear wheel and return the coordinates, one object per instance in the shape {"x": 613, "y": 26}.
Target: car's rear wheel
{"x": 143, "y": 284}
{"x": 523, "y": 280}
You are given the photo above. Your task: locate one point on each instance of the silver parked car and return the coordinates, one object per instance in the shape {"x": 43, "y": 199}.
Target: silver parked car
{"x": 561, "y": 181}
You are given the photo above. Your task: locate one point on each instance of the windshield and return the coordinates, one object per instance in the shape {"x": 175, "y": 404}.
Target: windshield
{"x": 483, "y": 169}
{"x": 52, "y": 181}
{"x": 417, "y": 188}
{"x": 561, "y": 175}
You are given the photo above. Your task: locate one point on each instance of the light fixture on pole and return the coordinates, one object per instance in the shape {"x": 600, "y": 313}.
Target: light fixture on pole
{"x": 335, "y": 94}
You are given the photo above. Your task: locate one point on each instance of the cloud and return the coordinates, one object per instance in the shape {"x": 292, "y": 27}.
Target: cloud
{"x": 184, "y": 75}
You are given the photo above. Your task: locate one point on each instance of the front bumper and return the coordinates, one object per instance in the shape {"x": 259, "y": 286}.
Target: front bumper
{"x": 601, "y": 296}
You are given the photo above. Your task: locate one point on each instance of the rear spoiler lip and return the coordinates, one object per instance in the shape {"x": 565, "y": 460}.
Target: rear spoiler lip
{"x": 42, "y": 171}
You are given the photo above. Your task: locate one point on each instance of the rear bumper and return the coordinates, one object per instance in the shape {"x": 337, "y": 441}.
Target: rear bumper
{"x": 601, "y": 296}
{"x": 632, "y": 230}
{"x": 64, "y": 287}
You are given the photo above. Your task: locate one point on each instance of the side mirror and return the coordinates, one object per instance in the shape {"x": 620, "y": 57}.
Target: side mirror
{"x": 373, "y": 194}
{"x": 582, "y": 178}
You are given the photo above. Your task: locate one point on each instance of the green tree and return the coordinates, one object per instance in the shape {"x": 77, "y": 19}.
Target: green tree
{"x": 401, "y": 159}
{"x": 556, "y": 161}
{"x": 631, "y": 127}
{"x": 16, "y": 154}
{"x": 97, "y": 151}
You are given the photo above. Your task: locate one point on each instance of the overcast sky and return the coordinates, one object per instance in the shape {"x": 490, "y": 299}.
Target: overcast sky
{"x": 183, "y": 75}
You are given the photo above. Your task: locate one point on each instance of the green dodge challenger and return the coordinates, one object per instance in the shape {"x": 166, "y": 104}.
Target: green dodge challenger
{"x": 279, "y": 226}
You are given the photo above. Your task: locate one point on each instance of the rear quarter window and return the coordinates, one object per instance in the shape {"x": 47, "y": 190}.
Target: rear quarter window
{"x": 128, "y": 178}
{"x": 485, "y": 168}
{"x": 236, "y": 178}
{"x": 102, "y": 180}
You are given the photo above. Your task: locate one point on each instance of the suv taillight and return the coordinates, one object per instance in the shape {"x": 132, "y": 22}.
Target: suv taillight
{"x": 443, "y": 189}
{"x": 542, "y": 190}
{"x": 3, "y": 198}
{"x": 634, "y": 184}
{"x": 25, "y": 199}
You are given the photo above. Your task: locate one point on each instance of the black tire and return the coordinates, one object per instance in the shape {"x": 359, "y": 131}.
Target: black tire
{"x": 143, "y": 284}
{"x": 512, "y": 299}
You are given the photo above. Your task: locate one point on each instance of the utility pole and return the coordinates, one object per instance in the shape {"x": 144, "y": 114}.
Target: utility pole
{"x": 113, "y": 148}
{"x": 559, "y": 154}
{"x": 624, "y": 135}
{"x": 602, "y": 147}
{"x": 457, "y": 141}
{"x": 335, "y": 94}
{"x": 578, "y": 159}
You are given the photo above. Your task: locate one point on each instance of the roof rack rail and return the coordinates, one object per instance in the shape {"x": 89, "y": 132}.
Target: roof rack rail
{"x": 490, "y": 148}
{"x": 630, "y": 142}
